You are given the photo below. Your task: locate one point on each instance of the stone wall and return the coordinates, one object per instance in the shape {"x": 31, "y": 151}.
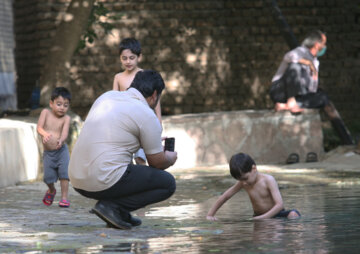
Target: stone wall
{"x": 215, "y": 55}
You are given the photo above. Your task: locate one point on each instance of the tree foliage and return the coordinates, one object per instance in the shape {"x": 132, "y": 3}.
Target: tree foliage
{"x": 98, "y": 12}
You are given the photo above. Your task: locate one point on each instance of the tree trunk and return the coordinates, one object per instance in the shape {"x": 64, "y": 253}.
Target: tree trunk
{"x": 55, "y": 71}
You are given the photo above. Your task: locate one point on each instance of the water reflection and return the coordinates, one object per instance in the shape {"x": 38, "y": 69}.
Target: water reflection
{"x": 271, "y": 230}
{"x": 123, "y": 247}
{"x": 329, "y": 223}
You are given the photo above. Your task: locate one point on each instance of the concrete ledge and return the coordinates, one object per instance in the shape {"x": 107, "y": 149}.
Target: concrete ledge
{"x": 269, "y": 137}
{"x": 21, "y": 148}
{"x": 19, "y": 152}
{"x": 206, "y": 139}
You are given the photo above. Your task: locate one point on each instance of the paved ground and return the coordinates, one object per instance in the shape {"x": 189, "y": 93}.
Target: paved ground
{"x": 26, "y": 225}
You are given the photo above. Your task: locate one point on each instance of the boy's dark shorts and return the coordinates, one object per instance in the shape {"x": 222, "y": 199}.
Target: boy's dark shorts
{"x": 56, "y": 164}
{"x": 284, "y": 213}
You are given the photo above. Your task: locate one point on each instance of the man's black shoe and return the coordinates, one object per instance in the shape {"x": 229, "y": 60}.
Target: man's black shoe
{"x": 134, "y": 221}
{"x": 126, "y": 216}
{"x": 110, "y": 216}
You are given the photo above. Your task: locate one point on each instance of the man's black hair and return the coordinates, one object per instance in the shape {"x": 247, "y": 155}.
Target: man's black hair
{"x": 148, "y": 81}
{"x": 132, "y": 44}
{"x": 60, "y": 91}
{"x": 240, "y": 164}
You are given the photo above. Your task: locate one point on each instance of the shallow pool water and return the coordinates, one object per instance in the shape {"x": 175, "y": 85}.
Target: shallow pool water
{"x": 329, "y": 224}
{"x": 329, "y": 204}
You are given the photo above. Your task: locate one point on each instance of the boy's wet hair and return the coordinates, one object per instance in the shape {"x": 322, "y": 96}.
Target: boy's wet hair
{"x": 132, "y": 44}
{"x": 240, "y": 164}
{"x": 60, "y": 91}
{"x": 148, "y": 81}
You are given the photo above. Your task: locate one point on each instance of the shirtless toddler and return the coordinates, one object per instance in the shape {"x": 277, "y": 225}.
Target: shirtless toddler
{"x": 53, "y": 127}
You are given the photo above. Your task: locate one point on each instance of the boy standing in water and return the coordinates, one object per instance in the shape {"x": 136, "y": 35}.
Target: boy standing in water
{"x": 262, "y": 189}
{"x": 53, "y": 126}
{"x": 130, "y": 56}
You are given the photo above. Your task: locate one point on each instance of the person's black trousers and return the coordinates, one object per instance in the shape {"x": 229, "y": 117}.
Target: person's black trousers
{"x": 293, "y": 84}
{"x": 138, "y": 187}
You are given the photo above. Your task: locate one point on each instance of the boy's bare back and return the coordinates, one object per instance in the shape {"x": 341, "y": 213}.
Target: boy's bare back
{"x": 54, "y": 128}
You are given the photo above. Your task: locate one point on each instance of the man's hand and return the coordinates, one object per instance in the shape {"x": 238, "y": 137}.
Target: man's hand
{"x": 311, "y": 66}
{"x": 313, "y": 71}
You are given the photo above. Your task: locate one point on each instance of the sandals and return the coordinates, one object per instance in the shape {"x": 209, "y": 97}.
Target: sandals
{"x": 49, "y": 198}
{"x": 311, "y": 157}
{"x": 64, "y": 203}
{"x": 292, "y": 158}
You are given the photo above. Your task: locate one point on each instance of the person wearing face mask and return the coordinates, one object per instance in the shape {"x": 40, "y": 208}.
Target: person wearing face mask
{"x": 295, "y": 84}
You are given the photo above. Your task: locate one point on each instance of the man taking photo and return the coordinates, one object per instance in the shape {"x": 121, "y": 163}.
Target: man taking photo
{"x": 101, "y": 168}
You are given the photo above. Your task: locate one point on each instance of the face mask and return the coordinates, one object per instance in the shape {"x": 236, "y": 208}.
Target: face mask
{"x": 321, "y": 52}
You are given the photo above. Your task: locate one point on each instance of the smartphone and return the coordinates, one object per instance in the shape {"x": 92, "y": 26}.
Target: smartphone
{"x": 170, "y": 144}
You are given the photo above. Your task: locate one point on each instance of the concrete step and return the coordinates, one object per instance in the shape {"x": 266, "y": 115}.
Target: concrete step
{"x": 205, "y": 139}
{"x": 269, "y": 137}
{"x": 21, "y": 148}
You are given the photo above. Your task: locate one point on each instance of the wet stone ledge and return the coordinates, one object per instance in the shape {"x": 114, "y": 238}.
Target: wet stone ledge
{"x": 204, "y": 139}
{"x": 269, "y": 137}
